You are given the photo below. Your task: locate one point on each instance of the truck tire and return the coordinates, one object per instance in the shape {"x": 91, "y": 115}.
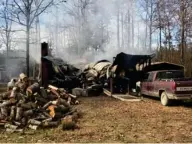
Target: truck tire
{"x": 164, "y": 99}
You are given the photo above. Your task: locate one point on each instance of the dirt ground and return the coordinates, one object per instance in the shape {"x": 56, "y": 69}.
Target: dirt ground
{"x": 106, "y": 119}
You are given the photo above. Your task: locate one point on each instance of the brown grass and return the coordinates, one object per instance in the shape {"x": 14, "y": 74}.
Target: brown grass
{"x": 106, "y": 119}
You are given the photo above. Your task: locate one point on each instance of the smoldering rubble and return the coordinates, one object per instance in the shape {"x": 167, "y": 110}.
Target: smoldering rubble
{"x": 125, "y": 71}
{"x": 91, "y": 80}
{"x": 62, "y": 74}
{"x": 72, "y": 79}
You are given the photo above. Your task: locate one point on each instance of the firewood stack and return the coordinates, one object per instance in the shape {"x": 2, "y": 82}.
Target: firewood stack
{"x": 37, "y": 107}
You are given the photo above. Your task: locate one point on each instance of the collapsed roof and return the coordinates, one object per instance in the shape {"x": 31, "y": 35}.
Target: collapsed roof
{"x": 60, "y": 73}
{"x": 61, "y": 67}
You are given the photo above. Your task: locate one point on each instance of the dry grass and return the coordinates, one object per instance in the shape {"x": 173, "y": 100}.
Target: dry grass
{"x": 109, "y": 120}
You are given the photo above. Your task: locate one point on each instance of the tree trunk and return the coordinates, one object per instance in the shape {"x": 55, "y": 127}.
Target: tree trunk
{"x": 79, "y": 30}
{"x": 165, "y": 45}
{"x": 56, "y": 33}
{"x": 132, "y": 24}
{"x": 160, "y": 30}
{"x": 169, "y": 41}
{"x": 160, "y": 41}
{"x": 7, "y": 56}
{"x": 7, "y": 42}
{"x": 132, "y": 33}
{"x": 150, "y": 27}
{"x": 118, "y": 36}
{"x": 122, "y": 32}
{"x": 146, "y": 28}
{"x": 27, "y": 48}
{"x": 182, "y": 33}
{"x": 128, "y": 29}
{"x": 191, "y": 60}
{"x": 138, "y": 43}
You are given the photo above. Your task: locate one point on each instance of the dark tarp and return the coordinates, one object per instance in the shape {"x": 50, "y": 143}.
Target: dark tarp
{"x": 127, "y": 61}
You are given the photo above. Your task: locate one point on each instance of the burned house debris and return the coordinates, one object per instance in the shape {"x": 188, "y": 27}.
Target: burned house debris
{"x": 62, "y": 74}
{"x": 124, "y": 72}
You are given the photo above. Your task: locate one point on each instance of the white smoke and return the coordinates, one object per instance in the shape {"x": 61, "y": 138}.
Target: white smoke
{"x": 62, "y": 30}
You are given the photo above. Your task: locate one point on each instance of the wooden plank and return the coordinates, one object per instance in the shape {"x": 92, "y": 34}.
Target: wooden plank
{"x": 126, "y": 95}
{"x": 108, "y": 93}
{"x": 123, "y": 99}
{"x": 120, "y": 96}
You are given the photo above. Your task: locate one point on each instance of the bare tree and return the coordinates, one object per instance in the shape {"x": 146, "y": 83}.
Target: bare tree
{"x": 159, "y": 25}
{"x": 173, "y": 20}
{"x": 128, "y": 29}
{"x": 183, "y": 23}
{"x": 133, "y": 22}
{"x": 148, "y": 7}
{"x": 118, "y": 26}
{"x": 24, "y": 12}
{"x": 122, "y": 30}
{"x": 6, "y": 28}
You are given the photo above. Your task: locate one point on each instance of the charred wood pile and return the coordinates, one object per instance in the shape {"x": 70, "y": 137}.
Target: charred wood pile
{"x": 27, "y": 105}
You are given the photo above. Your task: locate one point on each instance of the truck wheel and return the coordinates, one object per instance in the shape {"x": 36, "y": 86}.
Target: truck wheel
{"x": 164, "y": 99}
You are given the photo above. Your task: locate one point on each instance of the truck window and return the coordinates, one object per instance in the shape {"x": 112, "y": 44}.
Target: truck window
{"x": 145, "y": 77}
{"x": 150, "y": 77}
{"x": 170, "y": 75}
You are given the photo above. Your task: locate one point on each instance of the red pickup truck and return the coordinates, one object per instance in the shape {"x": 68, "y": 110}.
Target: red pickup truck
{"x": 168, "y": 85}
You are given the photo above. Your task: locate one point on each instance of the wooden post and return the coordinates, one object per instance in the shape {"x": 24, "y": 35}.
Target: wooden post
{"x": 34, "y": 70}
{"x": 43, "y": 65}
{"x": 149, "y": 61}
{"x": 128, "y": 88}
{"x": 111, "y": 86}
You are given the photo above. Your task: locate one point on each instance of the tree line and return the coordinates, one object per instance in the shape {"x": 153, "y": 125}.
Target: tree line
{"x": 103, "y": 26}
{"x": 172, "y": 20}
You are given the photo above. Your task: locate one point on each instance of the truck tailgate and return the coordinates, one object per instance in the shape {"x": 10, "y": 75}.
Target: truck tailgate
{"x": 183, "y": 86}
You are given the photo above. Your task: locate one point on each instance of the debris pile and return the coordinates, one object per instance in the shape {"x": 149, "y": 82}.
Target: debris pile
{"x": 97, "y": 72}
{"x": 27, "y": 105}
{"x": 61, "y": 74}
{"x": 76, "y": 81}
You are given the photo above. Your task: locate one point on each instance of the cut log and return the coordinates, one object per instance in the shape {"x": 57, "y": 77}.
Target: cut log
{"x": 68, "y": 123}
{"x": 53, "y": 87}
{"x": 73, "y": 96}
{"x": 63, "y": 102}
{"x": 34, "y": 122}
{"x": 19, "y": 113}
{"x": 43, "y": 92}
{"x": 51, "y": 110}
{"x": 34, "y": 127}
{"x": 50, "y": 124}
{"x": 12, "y": 113}
{"x": 33, "y": 88}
